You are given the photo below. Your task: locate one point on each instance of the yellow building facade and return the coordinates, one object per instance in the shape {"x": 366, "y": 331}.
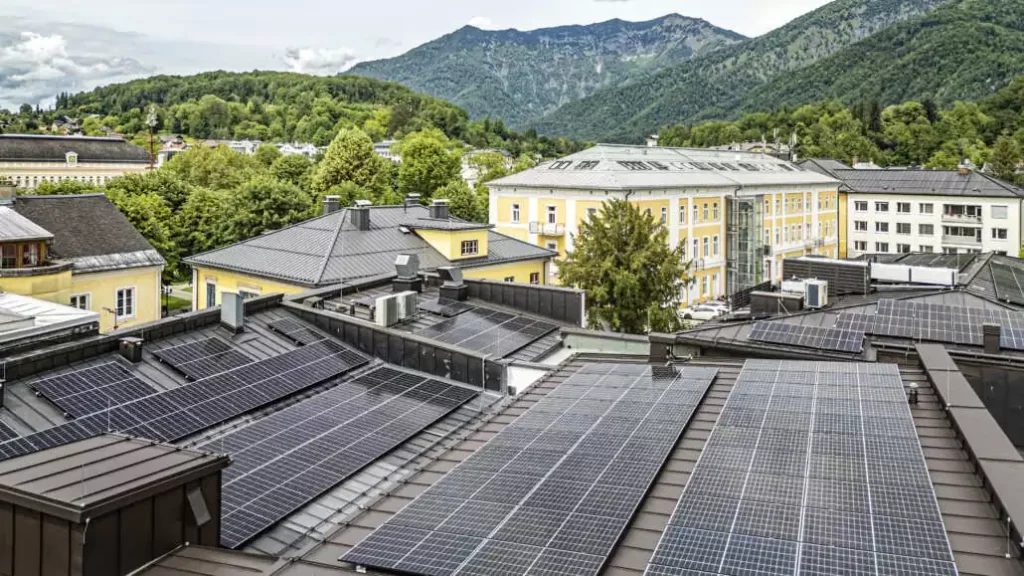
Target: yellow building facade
{"x": 735, "y": 215}
{"x": 30, "y": 160}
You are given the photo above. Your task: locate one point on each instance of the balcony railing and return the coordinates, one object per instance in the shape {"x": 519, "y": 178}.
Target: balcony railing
{"x": 44, "y": 269}
{"x": 961, "y": 240}
{"x": 961, "y": 219}
{"x": 545, "y": 229}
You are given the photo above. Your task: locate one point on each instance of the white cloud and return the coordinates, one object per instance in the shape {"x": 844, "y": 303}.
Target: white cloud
{"x": 482, "y": 22}
{"x": 35, "y": 67}
{"x": 322, "y": 61}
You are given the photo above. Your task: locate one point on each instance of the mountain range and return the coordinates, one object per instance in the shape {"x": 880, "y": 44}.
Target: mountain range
{"x": 521, "y": 76}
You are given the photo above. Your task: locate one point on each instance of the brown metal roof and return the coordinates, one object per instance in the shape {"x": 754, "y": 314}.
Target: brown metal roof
{"x": 200, "y": 561}
{"x": 90, "y": 477}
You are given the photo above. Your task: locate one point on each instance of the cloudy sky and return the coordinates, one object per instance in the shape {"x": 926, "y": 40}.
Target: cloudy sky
{"x": 47, "y": 46}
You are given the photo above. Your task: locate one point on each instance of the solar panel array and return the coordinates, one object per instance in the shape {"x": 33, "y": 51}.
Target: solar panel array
{"x": 553, "y": 492}
{"x": 173, "y": 414}
{"x": 296, "y": 331}
{"x": 838, "y": 339}
{"x": 445, "y": 307}
{"x": 93, "y": 389}
{"x": 6, "y": 432}
{"x": 202, "y": 358}
{"x": 814, "y": 469}
{"x": 282, "y": 462}
{"x": 488, "y": 331}
{"x": 937, "y": 322}
{"x": 1009, "y": 283}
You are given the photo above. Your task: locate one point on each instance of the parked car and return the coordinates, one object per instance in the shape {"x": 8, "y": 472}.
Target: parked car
{"x": 706, "y": 311}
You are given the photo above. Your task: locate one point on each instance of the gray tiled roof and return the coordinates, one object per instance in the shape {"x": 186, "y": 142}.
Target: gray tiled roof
{"x": 926, "y": 182}
{"x": 38, "y": 148}
{"x": 435, "y": 224}
{"x": 825, "y": 166}
{"x": 90, "y": 231}
{"x": 319, "y": 253}
{"x": 14, "y": 226}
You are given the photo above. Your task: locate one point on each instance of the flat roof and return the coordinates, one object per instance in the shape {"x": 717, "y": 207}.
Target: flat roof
{"x": 91, "y": 477}
{"x": 46, "y": 317}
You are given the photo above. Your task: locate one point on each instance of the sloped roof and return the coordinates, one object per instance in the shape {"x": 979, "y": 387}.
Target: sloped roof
{"x": 616, "y": 167}
{"x": 926, "y": 182}
{"x": 41, "y": 148}
{"x": 90, "y": 231}
{"x": 15, "y": 227}
{"x": 825, "y": 166}
{"x": 329, "y": 250}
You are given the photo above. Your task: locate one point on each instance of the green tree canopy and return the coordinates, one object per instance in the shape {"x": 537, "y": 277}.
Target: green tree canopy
{"x": 264, "y": 203}
{"x": 462, "y": 200}
{"x": 350, "y": 158}
{"x": 632, "y": 278}
{"x": 266, "y": 154}
{"x": 294, "y": 168}
{"x": 1006, "y": 156}
{"x": 429, "y": 161}
{"x": 219, "y": 168}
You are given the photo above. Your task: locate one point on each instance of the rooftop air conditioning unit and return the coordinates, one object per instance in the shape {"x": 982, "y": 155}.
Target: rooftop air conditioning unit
{"x": 406, "y": 304}
{"x": 816, "y": 294}
{"x": 793, "y": 286}
{"x": 386, "y": 311}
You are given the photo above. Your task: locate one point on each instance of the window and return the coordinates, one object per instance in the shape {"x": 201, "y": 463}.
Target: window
{"x": 714, "y": 249}
{"x": 778, "y": 236}
{"x": 903, "y": 207}
{"x": 591, "y": 212}
{"x": 860, "y": 246}
{"x": 534, "y": 277}
{"x": 552, "y": 214}
{"x": 8, "y": 256}
{"x": 696, "y": 248}
{"x": 714, "y": 284}
{"x": 515, "y": 212}
{"x": 767, "y": 236}
{"x": 881, "y": 206}
{"x": 819, "y": 230}
{"x": 30, "y": 255}
{"x": 949, "y": 250}
{"x": 926, "y": 208}
{"x": 510, "y": 278}
{"x": 881, "y": 226}
{"x": 819, "y": 204}
{"x": 903, "y": 228}
{"x": 211, "y": 294}
{"x": 800, "y": 205}
{"x": 682, "y": 214}
{"x": 924, "y": 248}
{"x": 470, "y": 247}
{"x": 553, "y": 246}
{"x": 881, "y": 247}
{"x": 767, "y": 207}
{"x": 926, "y": 229}
{"x": 664, "y": 215}
{"x": 705, "y": 212}
{"x": 714, "y": 211}
{"x": 903, "y": 248}
{"x": 999, "y": 233}
{"x": 777, "y": 206}
{"x": 703, "y": 285}
{"x": 682, "y": 248}
{"x": 787, "y": 230}
{"x": 707, "y": 247}
{"x": 248, "y": 294}
{"x": 999, "y": 212}
{"x": 860, "y": 206}
{"x": 81, "y": 301}
{"x": 125, "y": 306}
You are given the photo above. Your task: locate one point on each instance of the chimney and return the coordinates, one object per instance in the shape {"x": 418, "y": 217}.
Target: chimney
{"x": 412, "y": 200}
{"x": 964, "y": 170}
{"x": 439, "y": 210}
{"x": 232, "y": 312}
{"x": 361, "y": 215}
{"x": 131, "y": 349}
{"x": 331, "y": 204}
{"x": 407, "y": 267}
{"x": 990, "y": 338}
{"x": 453, "y": 287}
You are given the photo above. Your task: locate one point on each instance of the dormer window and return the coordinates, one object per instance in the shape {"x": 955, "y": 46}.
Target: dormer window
{"x": 470, "y": 247}
{"x": 71, "y": 158}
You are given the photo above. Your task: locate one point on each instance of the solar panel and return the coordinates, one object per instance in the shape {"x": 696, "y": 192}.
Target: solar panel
{"x": 174, "y": 414}
{"x": 838, "y": 339}
{"x": 202, "y": 358}
{"x": 6, "y": 432}
{"x": 445, "y": 307}
{"x": 282, "y": 462}
{"x": 943, "y": 323}
{"x": 489, "y": 332}
{"x": 93, "y": 389}
{"x": 553, "y": 492}
{"x": 296, "y": 331}
{"x": 818, "y": 486}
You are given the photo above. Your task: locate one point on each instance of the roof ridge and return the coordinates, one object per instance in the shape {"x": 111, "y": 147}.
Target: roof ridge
{"x": 330, "y": 247}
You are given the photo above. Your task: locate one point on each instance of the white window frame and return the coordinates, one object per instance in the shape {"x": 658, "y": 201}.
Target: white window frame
{"x": 714, "y": 211}
{"x": 470, "y": 247}
{"x": 857, "y": 206}
{"x": 705, "y": 212}
{"x": 206, "y": 294}
{"x": 879, "y": 207}
{"x": 534, "y": 277}
{"x": 882, "y": 227}
{"x": 907, "y": 226}
{"x": 696, "y": 213}
{"x": 552, "y": 246}
{"x": 86, "y": 296}
{"x": 714, "y": 246}
{"x": 921, "y": 230}
{"x": 1000, "y": 212}
{"x": 1005, "y": 236}
{"x": 682, "y": 213}
{"x": 879, "y": 245}
{"x": 926, "y": 208}
{"x": 664, "y": 214}
{"x": 926, "y": 248}
{"x": 515, "y": 212}
{"x": 510, "y": 278}
{"x": 860, "y": 245}
{"x": 134, "y": 303}
{"x": 707, "y": 247}
{"x": 900, "y": 205}
{"x": 552, "y": 214}
{"x": 899, "y": 248}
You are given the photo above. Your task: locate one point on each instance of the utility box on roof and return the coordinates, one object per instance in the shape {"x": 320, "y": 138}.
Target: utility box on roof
{"x": 105, "y": 506}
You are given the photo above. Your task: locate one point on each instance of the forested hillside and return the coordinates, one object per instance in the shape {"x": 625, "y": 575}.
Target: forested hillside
{"x": 519, "y": 76}
{"x": 686, "y": 91}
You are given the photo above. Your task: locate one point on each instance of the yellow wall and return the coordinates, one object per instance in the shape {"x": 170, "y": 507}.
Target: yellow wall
{"x": 233, "y": 282}
{"x": 842, "y": 224}
{"x": 102, "y": 289}
{"x": 517, "y": 233}
{"x": 519, "y": 270}
{"x": 51, "y": 287}
{"x": 542, "y": 210}
{"x": 505, "y": 209}
{"x": 449, "y": 243}
{"x": 581, "y": 209}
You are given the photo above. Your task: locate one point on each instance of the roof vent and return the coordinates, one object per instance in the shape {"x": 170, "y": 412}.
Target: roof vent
{"x": 232, "y": 311}
{"x": 361, "y": 215}
{"x": 131, "y": 349}
{"x": 331, "y": 204}
{"x": 407, "y": 266}
{"x": 453, "y": 287}
{"x": 439, "y": 209}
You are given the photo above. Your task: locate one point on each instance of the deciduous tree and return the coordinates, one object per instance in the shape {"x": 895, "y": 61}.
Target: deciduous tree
{"x": 429, "y": 161}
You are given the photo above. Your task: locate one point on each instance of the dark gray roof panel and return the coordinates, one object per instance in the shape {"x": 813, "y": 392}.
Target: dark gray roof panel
{"x": 926, "y": 182}
{"x": 38, "y": 148}
{"x": 434, "y": 224}
{"x": 825, "y": 166}
{"x": 329, "y": 250}
{"x": 84, "y": 225}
